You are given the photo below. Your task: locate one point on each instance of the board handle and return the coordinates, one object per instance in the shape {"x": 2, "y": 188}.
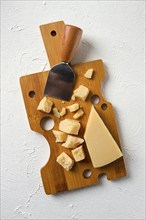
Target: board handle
{"x": 70, "y": 40}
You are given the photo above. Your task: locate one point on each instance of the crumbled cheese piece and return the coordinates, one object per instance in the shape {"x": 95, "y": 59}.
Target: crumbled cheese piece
{"x": 69, "y": 126}
{"x": 73, "y": 108}
{"x": 56, "y": 112}
{"x": 78, "y": 114}
{"x": 78, "y": 153}
{"x": 60, "y": 136}
{"x": 81, "y": 92}
{"x": 73, "y": 98}
{"x": 89, "y": 73}
{"x": 63, "y": 112}
{"x": 72, "y": 141}
{"x": 65, "y": 161}
{"x": 45, "y": 105}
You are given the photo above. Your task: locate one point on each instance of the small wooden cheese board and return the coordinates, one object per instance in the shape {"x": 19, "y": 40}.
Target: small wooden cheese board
{"x": 55, "y": 178}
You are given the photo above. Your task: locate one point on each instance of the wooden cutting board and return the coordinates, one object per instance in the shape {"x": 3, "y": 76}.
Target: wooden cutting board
{"x": 55, "y": 178}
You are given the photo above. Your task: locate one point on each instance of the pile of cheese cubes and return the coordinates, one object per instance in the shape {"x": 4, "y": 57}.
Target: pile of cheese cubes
{"x": 69, "y": 128}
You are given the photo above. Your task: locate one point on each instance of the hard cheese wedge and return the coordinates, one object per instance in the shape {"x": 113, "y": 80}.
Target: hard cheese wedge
{"x": 100, "y": 143}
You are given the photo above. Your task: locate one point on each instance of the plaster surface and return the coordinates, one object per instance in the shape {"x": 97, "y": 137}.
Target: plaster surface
{"x": 113, "y": 31}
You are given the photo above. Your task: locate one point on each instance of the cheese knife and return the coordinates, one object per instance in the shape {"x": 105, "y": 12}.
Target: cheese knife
{"x": 61, "y": 77}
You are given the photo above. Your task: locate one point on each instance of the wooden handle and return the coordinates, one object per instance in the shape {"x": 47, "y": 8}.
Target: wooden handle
{"x": 70, "y": 40}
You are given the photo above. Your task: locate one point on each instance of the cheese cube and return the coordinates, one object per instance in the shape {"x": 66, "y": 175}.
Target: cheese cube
{"x": 45, "y": 105}
{"x": 56, "y": 113}
{"x": 65, "y": 161}
{"x": 81, "y": 92}
{"x": 69, "y": 126}
{"x": 72, "y": 141}
{"x": 60, "y": 136}
{"x": 78, "y": 114}
{"x": 63, "y": 112}
{"x": 73, "y": 108}
{"x": 89, "y": 73}
{"x": 78, "y": 154}
{"x": 73, "y": 98}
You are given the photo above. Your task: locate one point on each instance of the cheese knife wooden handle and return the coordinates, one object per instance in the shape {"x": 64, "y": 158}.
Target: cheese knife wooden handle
{"x": 71, "y": 36}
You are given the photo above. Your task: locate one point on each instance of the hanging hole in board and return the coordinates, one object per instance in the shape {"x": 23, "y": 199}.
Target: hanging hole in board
{"x": 87, "y": 173}
{"x": 104, "y": 106}
{"x": 47, "y": 123}
{"x": 95, "y": 99}
{"x": 53, "y": 33}
{"x": 31, "y": 94}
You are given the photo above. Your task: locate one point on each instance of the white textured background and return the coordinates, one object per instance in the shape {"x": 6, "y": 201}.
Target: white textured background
{"x": 113, "y": 31}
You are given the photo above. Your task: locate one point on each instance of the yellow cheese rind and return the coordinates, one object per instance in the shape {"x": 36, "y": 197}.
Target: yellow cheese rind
{"x": 78, "y": 153}
{"x": 60, "y": 136}
{"x": 65, "y": 161}
{"x": 45, "y": 105}
{"x": 101, "y": 146}
{"x": 69, "y": 126}
{"x": 72, "y": 141}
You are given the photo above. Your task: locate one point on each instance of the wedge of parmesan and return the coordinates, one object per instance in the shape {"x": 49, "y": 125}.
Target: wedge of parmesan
{"x": 102, "y": 147}
{"x": 45, "y": 105}
{"x": 72, "y": 141}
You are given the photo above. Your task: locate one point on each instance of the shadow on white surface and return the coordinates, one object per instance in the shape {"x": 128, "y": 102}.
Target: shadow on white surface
{"x": 102, "y": 182}
{"x": 105, "y": 82}
{"x": 119, "y": 127}
{"x": 83, "y": 52}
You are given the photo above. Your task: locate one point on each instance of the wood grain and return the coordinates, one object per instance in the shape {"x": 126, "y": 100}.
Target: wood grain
{"x": 55, "y": 178}
{"x": 69, "y": 42}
